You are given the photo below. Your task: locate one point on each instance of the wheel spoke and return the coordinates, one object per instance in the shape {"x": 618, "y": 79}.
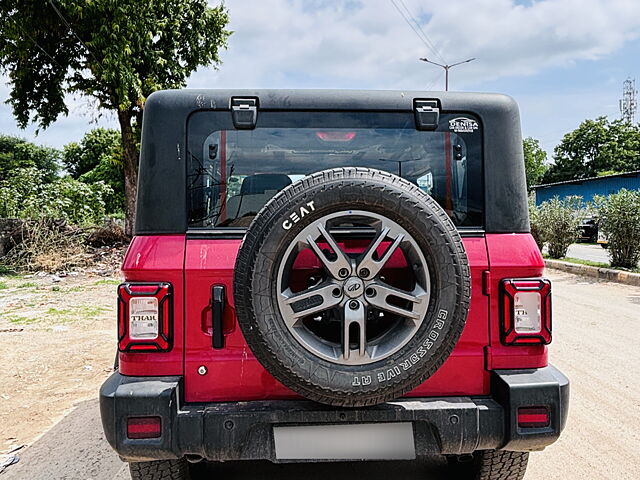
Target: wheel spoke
{"x": 357, "y": 316}
{"x": 367, "y": 261}
{"x": 333, "y": 266}
{"x": 310, "y": 301}
{"x": 382, "y": 292}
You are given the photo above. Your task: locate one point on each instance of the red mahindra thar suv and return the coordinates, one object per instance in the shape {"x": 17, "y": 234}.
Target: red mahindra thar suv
{"x": 332, "y": 275}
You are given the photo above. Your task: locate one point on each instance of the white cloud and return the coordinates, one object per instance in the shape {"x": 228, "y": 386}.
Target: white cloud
{"x": 82, "y": 117}
{"x": 366, "y": 44}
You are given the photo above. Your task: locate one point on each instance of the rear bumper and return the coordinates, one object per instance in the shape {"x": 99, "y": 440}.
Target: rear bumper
{"x": 244, "y": 430}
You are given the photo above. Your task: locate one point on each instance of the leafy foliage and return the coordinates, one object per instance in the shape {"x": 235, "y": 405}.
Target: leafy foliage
{"x": 117, "y": 53}
{"x": 17, "y": 153}
{"x": 596, "y": 146}
{"x": 98, "y": 158}
{"x": 619, "y": 219}
{"x": 25, "y": 194}
{"x": 537, "y": 231}
{"x": 129, "y": 49}
{"x": 558, "y": 223}
{"x": 534, "y": 161}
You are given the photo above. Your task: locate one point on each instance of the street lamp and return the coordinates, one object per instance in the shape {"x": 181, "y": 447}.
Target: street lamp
{"x": 446, "y": 68}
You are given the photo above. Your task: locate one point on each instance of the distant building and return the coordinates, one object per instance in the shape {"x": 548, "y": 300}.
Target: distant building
{"x": 587, "y": 188}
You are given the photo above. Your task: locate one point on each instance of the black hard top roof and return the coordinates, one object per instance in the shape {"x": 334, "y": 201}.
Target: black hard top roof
{"x": 271, "y": 99}
{"x": 161, "y": 206}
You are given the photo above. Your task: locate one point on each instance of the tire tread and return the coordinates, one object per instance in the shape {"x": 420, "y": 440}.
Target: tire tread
{"x": 327, "y": 180}
{"x": 160, "y": 470}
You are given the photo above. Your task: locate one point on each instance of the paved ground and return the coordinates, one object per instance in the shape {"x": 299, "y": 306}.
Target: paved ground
{"x": 588, "y": 251}
{"x": 596, "y": 345}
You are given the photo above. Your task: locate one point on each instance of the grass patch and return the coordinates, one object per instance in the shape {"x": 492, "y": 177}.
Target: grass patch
{"x": 57, "y": 315}
{"x": 18, "y": 320}
{"x": 27, "y": 285}
{"x": 108, "y": 281}
{"x": 81, "y": 312}
{"x": 56, "y": 312}
{"x": 580, "y": 261}
{"x": 7, "y": 270}
{"x": 91, "y": 312}
{"x": 3, "y": 285}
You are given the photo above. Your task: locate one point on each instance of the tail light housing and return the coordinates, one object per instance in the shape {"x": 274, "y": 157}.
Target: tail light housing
{"x": 145, "y": 317}
{"x": 144, "y": 427}
{"x": 533, "y": 417}
{"x": 525, "y": 311}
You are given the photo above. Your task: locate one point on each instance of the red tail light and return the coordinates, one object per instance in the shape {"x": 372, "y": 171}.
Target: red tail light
{"x": 533, "y": 417}
{"x": 144, "y": 427}
{"x": 145, "y": 322}
{"x": 525, "y": 311}
{"x": 336, "y": 136}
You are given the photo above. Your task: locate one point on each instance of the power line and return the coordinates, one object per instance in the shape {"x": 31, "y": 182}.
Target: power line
{"x": 64, "y": 20}
{"x": 426, "y": 38}
{"x": 33, "y": 40}
{"x": 434, "y": 80}
{"x": 406, "y": 19}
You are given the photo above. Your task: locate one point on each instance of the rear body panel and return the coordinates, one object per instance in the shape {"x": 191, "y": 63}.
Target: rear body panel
{"x": 233, "y": 373}
{"x": 194, "y": 265}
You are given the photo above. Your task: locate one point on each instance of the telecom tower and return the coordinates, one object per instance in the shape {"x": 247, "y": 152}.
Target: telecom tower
{"x": 628, "y": 102}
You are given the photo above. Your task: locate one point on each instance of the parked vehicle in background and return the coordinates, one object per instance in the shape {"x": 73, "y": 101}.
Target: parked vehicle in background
{"x": 332, "y": 275}
{"x": 603, "y": 241}
{"x": 589, "y": 230}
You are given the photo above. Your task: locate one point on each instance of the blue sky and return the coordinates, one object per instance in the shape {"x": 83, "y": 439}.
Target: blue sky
{"x": 562, "y": 60}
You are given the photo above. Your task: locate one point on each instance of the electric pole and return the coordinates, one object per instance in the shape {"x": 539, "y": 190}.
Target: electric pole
{"x": 628, "y": 102}
{"x": 446, "y": 68}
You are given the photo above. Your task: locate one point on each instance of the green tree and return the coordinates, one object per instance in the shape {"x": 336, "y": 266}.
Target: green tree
{"x": 596, "y": 146}
{"x": 26, "y": 194}
{"x": 117, "y": 53}
{"x": 534, "y": 161}
{"x": 98, "y": 158}
{"x": 17, "y": 153}
{"x": 97, "y": 145}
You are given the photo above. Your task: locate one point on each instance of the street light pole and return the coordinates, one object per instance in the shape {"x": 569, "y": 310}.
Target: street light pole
{"x": 446, "y": 68}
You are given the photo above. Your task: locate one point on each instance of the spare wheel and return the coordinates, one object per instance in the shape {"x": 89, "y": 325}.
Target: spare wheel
{"x": 352, "y": 286}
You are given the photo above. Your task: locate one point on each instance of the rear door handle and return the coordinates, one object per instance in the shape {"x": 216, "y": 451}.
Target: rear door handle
{"x": 217, "y": 311}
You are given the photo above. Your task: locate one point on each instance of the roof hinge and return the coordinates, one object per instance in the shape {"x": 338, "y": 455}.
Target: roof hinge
{"x": 427, "y": 113}
{"x": 244, "y": 112}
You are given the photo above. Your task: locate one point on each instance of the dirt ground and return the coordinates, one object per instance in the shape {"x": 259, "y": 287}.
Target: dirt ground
{"x": 595, "y": 344}
{"x": 57, "y": 344}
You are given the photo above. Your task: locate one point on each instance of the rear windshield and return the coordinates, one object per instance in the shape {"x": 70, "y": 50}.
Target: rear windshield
{"x": 233, "y": 173}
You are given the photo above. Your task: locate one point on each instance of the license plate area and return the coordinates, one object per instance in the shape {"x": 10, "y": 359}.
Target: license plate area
{"x": 364, "y": 441}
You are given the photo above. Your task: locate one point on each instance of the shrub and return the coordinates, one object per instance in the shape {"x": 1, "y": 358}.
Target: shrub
{"x": 536, "y": 223}
{"x": 46, "y": 245}
{"x": 559, "y": 222}
{"x": 619, "y": 219}
{"x": 110, "y": 234}
{"x": 26, "y": 194}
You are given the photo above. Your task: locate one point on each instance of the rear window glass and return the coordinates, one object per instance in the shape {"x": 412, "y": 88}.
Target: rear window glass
{"x": 233, "y": 173}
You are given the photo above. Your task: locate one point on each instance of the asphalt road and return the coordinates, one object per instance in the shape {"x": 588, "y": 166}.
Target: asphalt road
{"x": 595, "y": 344}
{"x": 587, "y": 251}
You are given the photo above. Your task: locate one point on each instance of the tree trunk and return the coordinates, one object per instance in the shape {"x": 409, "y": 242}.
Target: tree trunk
{"x": 130, "y": 154}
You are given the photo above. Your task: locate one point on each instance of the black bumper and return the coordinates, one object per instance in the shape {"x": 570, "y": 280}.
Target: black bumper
{"x": 244, "y": 430}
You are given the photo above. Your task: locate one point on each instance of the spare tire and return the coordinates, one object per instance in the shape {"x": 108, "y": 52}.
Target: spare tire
{"x": 352, "y": 286}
